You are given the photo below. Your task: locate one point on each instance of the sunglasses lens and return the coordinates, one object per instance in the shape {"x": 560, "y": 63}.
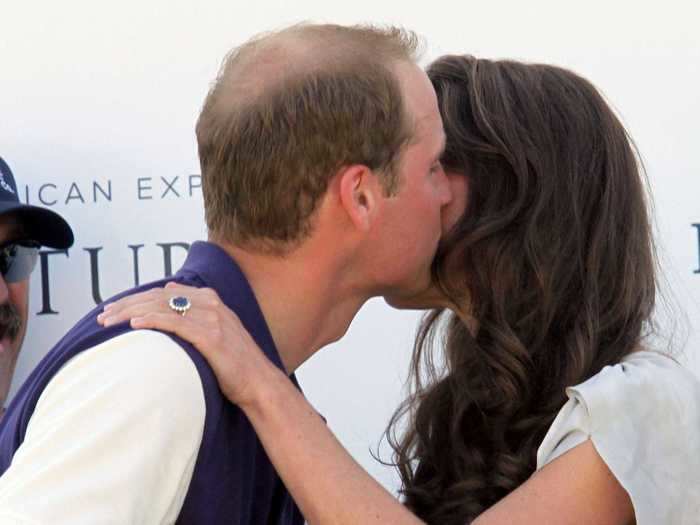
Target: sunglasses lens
{"x": 17, "y": 262}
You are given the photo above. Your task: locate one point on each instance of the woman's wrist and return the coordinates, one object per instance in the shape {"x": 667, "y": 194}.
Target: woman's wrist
{"x": 268, "y": 391}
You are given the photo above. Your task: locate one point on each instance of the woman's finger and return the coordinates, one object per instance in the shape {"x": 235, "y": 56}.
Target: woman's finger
{"x": 182, "y": 326}
{"x": 153, "y": 297}
{"x": 125, "y": 302}
{"x": 123, "y": 308}
{"x": 173, "y": 284}
{"x": 126, "y": 312}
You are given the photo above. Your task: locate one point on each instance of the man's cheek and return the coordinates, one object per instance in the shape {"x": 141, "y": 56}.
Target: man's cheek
{"x": 19, "y": 296}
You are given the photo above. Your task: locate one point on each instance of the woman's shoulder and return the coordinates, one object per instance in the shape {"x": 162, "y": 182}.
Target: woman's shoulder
{"x": 641, "y": 415}
{"x": 646, "y": 389}
{"x": 645, "y": 366}
{"x": 643, "y": 382}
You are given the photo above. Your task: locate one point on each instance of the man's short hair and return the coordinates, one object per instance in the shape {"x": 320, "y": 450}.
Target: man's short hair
{"x": 287, "y": 110}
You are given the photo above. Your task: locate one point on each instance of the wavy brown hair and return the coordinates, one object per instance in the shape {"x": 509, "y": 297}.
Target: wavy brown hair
{"x": 555, "y": 267}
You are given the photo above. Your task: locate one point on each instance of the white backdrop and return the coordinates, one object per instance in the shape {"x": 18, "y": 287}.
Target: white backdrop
{"x": 97, "y": 108}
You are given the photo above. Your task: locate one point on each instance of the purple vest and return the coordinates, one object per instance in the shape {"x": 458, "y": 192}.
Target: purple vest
{"x": 233, "y": 480}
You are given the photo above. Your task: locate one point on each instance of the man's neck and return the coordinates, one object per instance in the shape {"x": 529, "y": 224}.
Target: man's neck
{"x": 305, "y": 300}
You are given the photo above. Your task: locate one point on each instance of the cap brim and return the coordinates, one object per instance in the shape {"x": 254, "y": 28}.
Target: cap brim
{"x": 42, "y": 225}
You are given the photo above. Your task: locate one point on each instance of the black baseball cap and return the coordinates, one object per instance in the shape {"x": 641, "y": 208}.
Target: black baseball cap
{"x": 42, "y": 225}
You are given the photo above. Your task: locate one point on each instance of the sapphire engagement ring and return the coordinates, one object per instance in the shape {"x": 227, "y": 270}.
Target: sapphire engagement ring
{"x": 179, "y": 304}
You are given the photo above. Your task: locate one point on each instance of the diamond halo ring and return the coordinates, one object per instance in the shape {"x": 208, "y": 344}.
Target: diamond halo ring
{"x": 179, "y": 304}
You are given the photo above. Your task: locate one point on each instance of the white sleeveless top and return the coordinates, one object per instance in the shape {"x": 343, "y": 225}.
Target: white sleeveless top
{"x": 643, "y": 417}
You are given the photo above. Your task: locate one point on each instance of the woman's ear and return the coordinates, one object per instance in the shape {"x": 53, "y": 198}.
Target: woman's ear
{"x": 359, "y": 193}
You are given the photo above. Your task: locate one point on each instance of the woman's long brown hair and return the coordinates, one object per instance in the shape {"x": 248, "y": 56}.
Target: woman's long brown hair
{"x": 553, "y": 261}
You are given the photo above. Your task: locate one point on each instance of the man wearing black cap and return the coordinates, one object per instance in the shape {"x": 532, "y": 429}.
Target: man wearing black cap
{"x": 23, "y": 229}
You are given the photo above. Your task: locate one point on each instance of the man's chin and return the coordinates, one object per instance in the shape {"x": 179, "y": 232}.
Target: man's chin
{"x": 424, "y": 300}
{"x": 417, "y": 293}
{"x": 402, "y": 303}
{"x": 8, "y": 347}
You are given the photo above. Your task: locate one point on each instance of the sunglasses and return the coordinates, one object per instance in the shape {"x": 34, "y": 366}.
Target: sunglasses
{"x": 17, "y": 260}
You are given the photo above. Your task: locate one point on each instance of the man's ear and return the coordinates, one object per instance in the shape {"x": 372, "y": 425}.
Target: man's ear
{"x": 359, "y": 192}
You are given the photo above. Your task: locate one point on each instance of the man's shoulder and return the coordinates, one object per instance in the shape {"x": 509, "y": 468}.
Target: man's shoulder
{"x": 144, "y": 361}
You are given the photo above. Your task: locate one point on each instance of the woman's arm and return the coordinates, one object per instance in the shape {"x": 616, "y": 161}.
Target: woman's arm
{"x": 325, "y": 481}
{"x": 327, "y": 484}
{"x": 576, "y": 488}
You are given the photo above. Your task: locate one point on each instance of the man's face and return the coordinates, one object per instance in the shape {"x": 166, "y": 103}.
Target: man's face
{"x": 411, "y": 220}
{"x": 13, "y": 313}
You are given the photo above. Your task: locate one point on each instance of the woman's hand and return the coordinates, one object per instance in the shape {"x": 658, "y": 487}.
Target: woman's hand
{"x": 217, "y": 332}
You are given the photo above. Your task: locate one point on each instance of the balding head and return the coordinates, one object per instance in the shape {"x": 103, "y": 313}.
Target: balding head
{"x": 287, "y": 110}
{"x": 270, "y": 61}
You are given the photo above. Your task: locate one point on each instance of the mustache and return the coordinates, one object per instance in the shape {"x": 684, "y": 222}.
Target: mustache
{"x": 10, "y": 321}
